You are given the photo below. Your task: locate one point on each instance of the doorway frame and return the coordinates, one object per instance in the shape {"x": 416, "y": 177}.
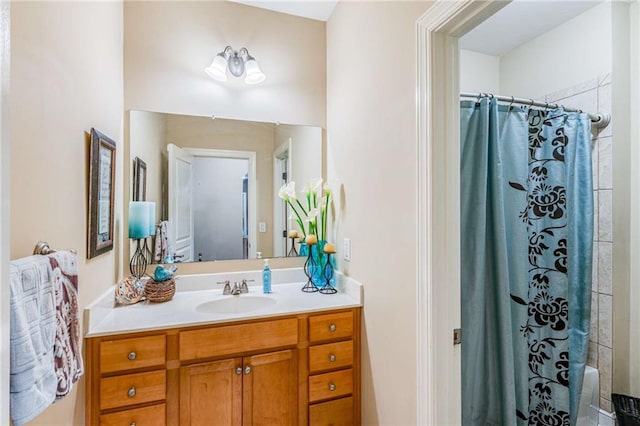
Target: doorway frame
{"x": 251, "y": 193}
{"x": 279, "y": 206}
{"x": 438, "y": 207}
{"x": 5, "y": 56}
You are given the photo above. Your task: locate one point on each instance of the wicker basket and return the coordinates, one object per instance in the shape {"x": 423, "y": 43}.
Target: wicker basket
{"x": 627, "y": 409}
{"x": 160, "y": 291}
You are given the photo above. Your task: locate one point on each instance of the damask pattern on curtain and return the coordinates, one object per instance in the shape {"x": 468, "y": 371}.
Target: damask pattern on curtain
{"x": 527, "y": 227}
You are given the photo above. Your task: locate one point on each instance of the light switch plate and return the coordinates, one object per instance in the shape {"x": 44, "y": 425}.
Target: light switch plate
{"x": 346, "y": 249}
{"x": 263, "y": 227}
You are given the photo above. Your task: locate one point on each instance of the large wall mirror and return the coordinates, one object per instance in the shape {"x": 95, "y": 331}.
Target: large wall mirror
{"x": 215, "y": 182}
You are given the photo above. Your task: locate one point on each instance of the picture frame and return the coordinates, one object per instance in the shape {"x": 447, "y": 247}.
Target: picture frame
{"x": 139, "y": 180}
{"x": 102, "y": 171}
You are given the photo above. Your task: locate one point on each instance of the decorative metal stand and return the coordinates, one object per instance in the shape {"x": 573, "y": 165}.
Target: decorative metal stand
{"x": 309, "y": 268}
{"x": 293, "y": 252}
{"x": 327, "y": 274}
{"x": 147, "y": 252}
{"x": 138, "y": 264}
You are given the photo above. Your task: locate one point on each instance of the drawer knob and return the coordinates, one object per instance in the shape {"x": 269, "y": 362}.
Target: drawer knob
{"x": 132, "y": 355}
{"x": 332, "y": 358}
{"x": 332, "y": 387}
{"x": 247, "y": 370}
{"x": 133, "y": 424}
{"x": 239, "y": 371}
{"x": 332, "y": 328}
{"x": 132, "y": 392}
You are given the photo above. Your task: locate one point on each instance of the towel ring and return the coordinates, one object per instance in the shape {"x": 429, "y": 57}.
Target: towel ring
{"x": 43, "y": 248}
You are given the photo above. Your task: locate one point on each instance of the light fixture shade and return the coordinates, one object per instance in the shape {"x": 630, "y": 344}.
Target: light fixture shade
{"x": 254, "y": 74}
{"x": 218, "y": 68}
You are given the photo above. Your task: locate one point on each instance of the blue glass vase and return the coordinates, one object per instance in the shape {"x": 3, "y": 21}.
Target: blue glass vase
{"x": 316, "y": 267}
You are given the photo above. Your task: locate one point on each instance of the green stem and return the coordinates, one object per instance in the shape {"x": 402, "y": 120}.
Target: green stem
{"x": 303, "y": 210}
{"x": 298, "y": 219}
{"x": 326, "y": 213}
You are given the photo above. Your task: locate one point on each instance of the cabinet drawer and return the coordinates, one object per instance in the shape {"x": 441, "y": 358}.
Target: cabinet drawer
{"x": 330, "y": 326}
{"x": 232, "y": 339}
{"x": 330, "y": 356}
{"x": 128, "y": 354}
{"x": 332, "y": 413}
{"x": 148, "y": 416}
{"x": 130, "y": 389}
{"x": 330, "y": 385}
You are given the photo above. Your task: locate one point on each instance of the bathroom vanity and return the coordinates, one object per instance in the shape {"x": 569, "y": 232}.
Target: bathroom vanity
{"x": 289, "y": 358}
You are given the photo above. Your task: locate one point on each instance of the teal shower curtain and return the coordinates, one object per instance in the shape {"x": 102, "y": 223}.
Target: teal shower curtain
{"x": 526, "y": 253}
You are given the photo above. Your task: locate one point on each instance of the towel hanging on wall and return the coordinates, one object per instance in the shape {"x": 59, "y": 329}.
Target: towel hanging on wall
{"x": 46, "y": 358}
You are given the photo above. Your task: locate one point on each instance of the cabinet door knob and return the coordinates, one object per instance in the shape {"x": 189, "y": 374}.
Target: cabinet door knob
{"x": 239, "y": 371}
{"x": 332, "y": 328}
{"x": 332, "y": 387}
{"x": 132, "y": 355}
{"x": 247, "y": 370}
{"x": 332, "y": 358}
{"x": 132, "y": 392}
{"x": 133, "y": 424}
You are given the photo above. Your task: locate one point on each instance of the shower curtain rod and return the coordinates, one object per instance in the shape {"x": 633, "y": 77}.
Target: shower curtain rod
{"x": 600, "y": 119}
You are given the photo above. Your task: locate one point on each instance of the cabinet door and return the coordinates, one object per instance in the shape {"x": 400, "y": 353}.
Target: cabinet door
{"x": 270, "y": 389}
{"x": 211, "y": 394}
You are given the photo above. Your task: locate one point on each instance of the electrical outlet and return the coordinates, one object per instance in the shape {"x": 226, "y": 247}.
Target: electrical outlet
{"x": 346, "y": 249}
{"x": 263, "y": 227}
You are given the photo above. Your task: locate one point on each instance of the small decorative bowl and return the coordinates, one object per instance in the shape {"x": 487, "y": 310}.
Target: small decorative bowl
{"x": 160, "y": 291}
{"x": 129, "y": 291}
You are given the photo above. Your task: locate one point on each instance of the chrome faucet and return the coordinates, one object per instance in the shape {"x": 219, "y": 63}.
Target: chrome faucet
{"x": 237, "y": 289}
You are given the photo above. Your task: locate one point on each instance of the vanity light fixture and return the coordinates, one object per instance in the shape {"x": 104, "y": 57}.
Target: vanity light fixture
{"x": 237, "y": 63}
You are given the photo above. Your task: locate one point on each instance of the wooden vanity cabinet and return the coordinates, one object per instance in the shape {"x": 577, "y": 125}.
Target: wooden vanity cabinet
{"x": 254, "y": 390}
{"x": 290, "y": 370}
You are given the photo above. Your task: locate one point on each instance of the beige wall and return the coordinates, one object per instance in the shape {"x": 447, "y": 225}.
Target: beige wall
{"x": 66, "y": 77}
{"x": 168, "y": 45}
{"x": 371, "y": 146}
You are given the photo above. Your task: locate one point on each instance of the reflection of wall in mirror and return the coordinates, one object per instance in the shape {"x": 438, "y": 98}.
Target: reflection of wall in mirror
{"x": 305, "y": 156}
{"x": 150, "y": 133}
{"x": 235, "y": 135}
{"x": 147, "y": 134}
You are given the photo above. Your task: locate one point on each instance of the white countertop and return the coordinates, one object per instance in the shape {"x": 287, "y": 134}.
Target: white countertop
{"x": 102, "y": 317}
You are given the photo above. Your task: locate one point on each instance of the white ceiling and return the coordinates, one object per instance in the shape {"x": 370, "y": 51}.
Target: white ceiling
{"x": 515, "y": 24}
{"x": 315, "y": 9}
{"x": 519, "y": 22}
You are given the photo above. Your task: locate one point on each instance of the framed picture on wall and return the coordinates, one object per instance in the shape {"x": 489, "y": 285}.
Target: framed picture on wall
{"x": 139, "y": 180}
{"x": 102, "y": 178}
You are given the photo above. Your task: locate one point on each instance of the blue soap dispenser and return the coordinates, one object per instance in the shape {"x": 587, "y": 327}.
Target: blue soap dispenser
{"x": 266, "y": 278}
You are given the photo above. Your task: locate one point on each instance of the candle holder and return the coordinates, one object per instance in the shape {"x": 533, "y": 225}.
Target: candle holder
{"x": 327, "y": 274}
{"x": 138, "y": 263}
{"x": 309, "y": 269}
{"x": 147, "y": 251}
{"x": 293, "y": 252}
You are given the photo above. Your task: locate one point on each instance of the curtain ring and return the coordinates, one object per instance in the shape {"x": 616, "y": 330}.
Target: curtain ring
{"x": 531, "y": 102}
{"x": 546, "y": 107}
{"x": 511, "y": 103}
{"x": 478, "y": 99}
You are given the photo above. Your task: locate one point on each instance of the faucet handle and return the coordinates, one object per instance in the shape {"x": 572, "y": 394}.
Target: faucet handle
{"x": 243, "y": 287}
{"x": 227, "y": 287}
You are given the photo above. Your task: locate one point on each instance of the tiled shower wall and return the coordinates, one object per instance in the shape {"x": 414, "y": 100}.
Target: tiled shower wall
{"x": 593, "y": 96}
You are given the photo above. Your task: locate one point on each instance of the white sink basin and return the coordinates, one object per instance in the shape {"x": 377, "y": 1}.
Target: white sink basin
{"x": 236, "y": 304}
